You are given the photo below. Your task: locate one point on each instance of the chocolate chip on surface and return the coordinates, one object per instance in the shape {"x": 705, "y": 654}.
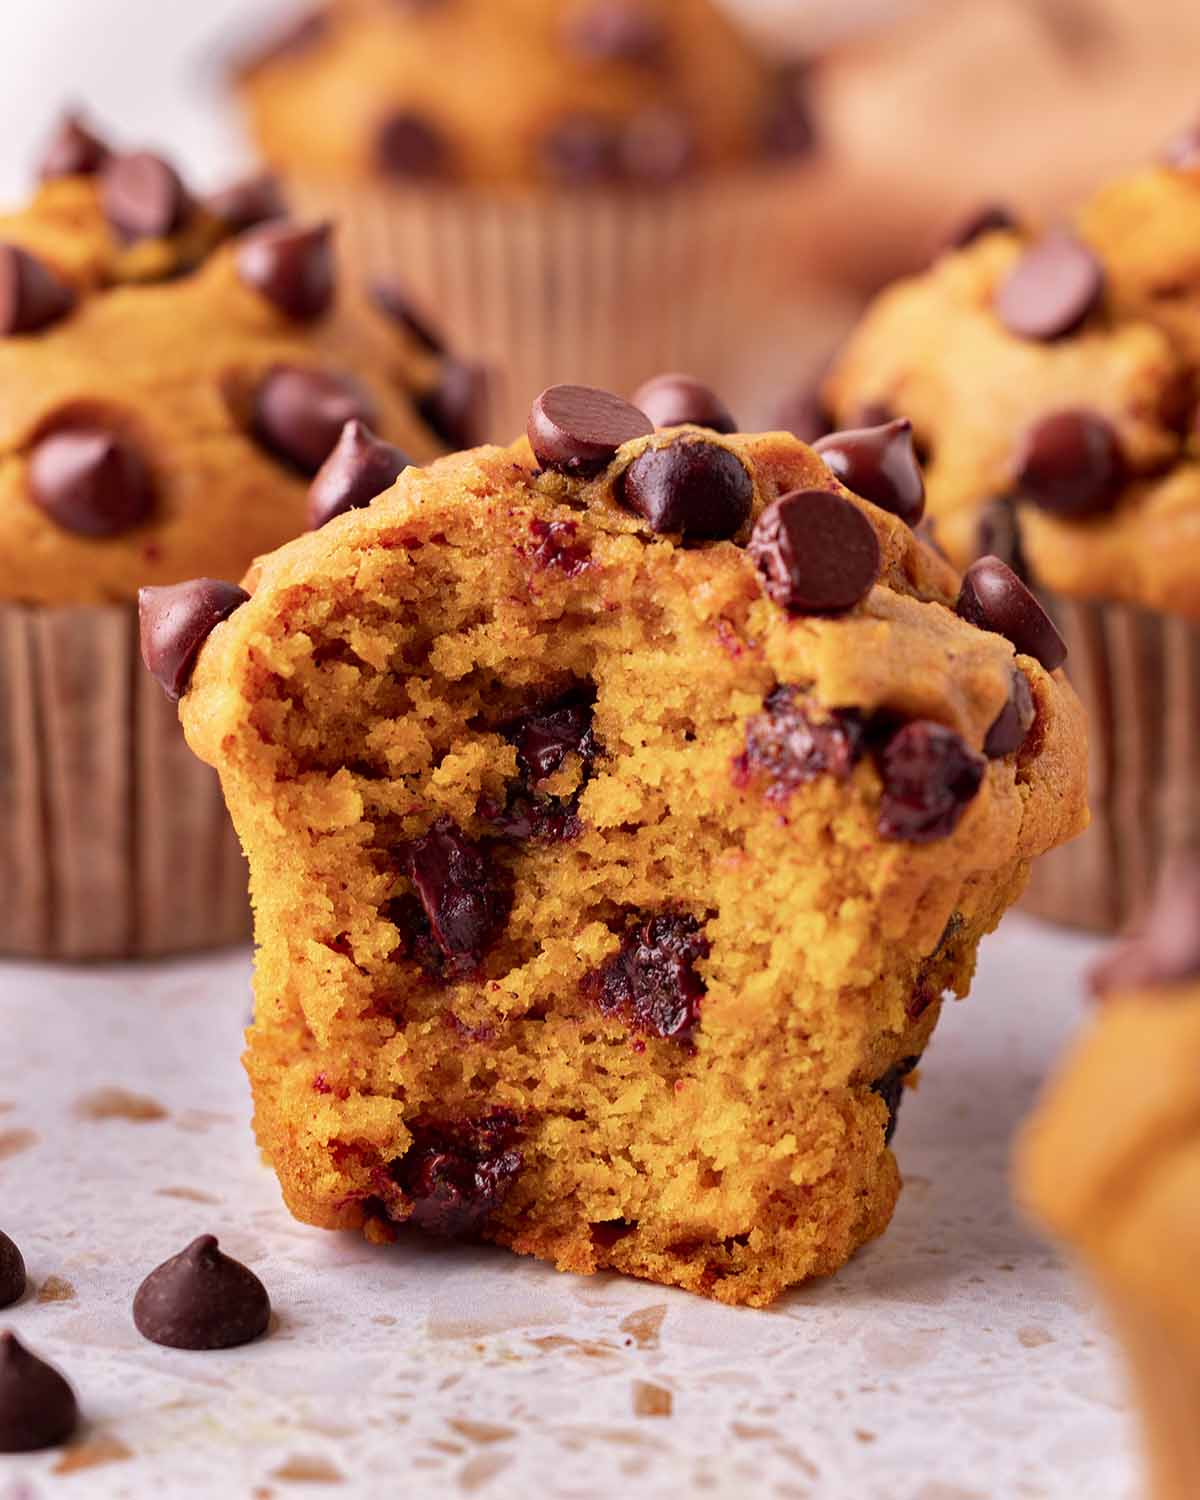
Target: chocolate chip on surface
{"x": 994, "y": 598}
{"x": 789, "y": 129}
{"x": 291, "y": 265}
{"x": 32, "y": 296}
{"x": 394, "y": 302}
{"x": 459, "y": 889}
{"x": 880, "y": 464}
{"x": 176, "y": 620}
{"x": 74, "y": 150}
{"x": 816, "y": 551}
{"x": 90, "y": 481}
{"x": 929, "y": 778}
{"x": 697, "y": 489}
{"x": 616, "y": 31}
{"x": 1165, "y": 950}
{"x": 1012, "y": 724}
{"x": 248, "y": 203}
{"x": 37, "y": 1407}
{"x": 455, "y": 409}
{"x": 1051, "y": 289}
{"x": 577, "y": 429}
{"x": 409, "y": 145}
{"x": 360, "y": 467}
{"x": 582, "y": 150}
{"x": 300, "y": 411}
{"x": 143, "y": 196}
{"x": 988, "y": 218}
{"x": 1070, "y": 464}
{"x": 675, "y": 400}
{"x": 12, "y": 1272}
{"x": 1182, "y": 151}
{"x": 201, "y": 1299}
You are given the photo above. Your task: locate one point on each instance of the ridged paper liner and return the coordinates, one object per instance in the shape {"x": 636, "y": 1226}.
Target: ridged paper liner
{"x": 1138, "y": 675}
{"x": 597, "y": 288}
{"x": 114, "y": 839}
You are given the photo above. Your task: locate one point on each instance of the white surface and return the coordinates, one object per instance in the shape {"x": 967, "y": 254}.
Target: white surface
{"x": 954, "y": 1360}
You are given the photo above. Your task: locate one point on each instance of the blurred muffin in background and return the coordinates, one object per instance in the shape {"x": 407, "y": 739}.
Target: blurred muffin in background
{"x": 586, "y": 190}
{"x": 172, "y": 372}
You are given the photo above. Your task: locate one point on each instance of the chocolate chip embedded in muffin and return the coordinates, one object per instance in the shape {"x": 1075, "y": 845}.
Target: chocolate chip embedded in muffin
{"x": 176, "y": 620}
{"x": 880, "y": 464}
{"x": 621, "y": 31}
{"x": 454, "y": 408}
{"x": 578, "y": 429}
{"x": 789, "y": 129}
{"x": 651, "y": 981}
{"x": 890, "y": 1088}
{"x": 699, "y": 490}
{"x": 1051, "y": 290}
{"x": 360, "y": 468}
{"x": 1012, "y": 724}
{"x": 144, "y": 197}
{"x": 37, "y": 1407}
{"x": 409, "y": 145}
{"x": 300, "y": 412}
{"x": 994, "y": 598}
{"x": 929, "y": 779}
{"x": 74, "y": 150}
{"x": 1070, "y": 463}
{"x": 459, "y": 890}
{"x": 675, "y": 400}
{"x": 201, "y": 1299}
{"x": 249, "y": 202}
{"x": 791, "y": 743}
{"x": 91, "y": 480}
{"x": 988, "y": 218}
{"x": 12, "y": 1272}
{"x": 291, "y": 266}
{"x": 455, "y": 1176}
{"x": 32, "y": 295}
{"x": 816, "y": 551}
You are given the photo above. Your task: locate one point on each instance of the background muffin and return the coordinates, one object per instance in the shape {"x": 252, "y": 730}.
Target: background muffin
{"x": 171, "y": 373}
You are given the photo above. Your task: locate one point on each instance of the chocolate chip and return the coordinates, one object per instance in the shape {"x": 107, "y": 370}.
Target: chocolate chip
{"x": 988, "y": 218}
{"x": 175, "y": 621}
{"x": 72, "y": 151}
{"x": 994, "y": 598}
{"x": 456, "y": 1175}
{"x": 616, "y": 31}
{"x": 455, "y": 409}
{"x": 1070, "y": 464}
{"x": 999, "y": 535}
{"x": 1051, "y": 289}
{"x": 546, "y": 736}
{"x": 291, "y": 265}
{"x": 890, "y": 1088}
{"x": 651, "y": 981}
{"x": 792, "y": 743}
{"x": 678, "y": 401}
{"x": 201, "y": 1299}
{"x": 12, "y": 1272}
{"x": 32, "y": 296}
{"x": 37, "y": 1407}
{"x": 929, "y": 777}
{"x": 247, "y": 204}
{"x": 696, "y": 489}
{"x": 299, "y": 413}
{"x": 90, "y": 481}
{"x": 658, "y": 146}
{"x": 788, "y": 129}
{"x": 393, "y": 301}
{"x": 543, "y": 739}
{"x": 804, "y": 414}
{"x": 1182, "y": 151}
{"x": 143, "y": 196}
{"x": 408, "y": 145}
{"x": 459, "y": 890}
{"x": 360, "y": 467}
{"x": 581, "y": 150}
{"x": 880, "y": 464}
{"x": 1166, "y": 949}
{"x": 1014, "y": 721}
{"x": 578, "y": 429}
{"x": 816, "y": 551}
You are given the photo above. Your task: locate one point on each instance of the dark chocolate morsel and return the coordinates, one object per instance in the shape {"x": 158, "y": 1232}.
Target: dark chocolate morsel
{"x": 37, "y": 1407}
{"x": 91, "y": 481}
{"x": 1054, "y": 286}
{"x": 409, "y": 145}
{"x": 817, "y": 552}
{"x": 201, "y": 1299}
{"x": 804, "y": 414}
{"x": 249, "y": 202}
{"x": 581, "y": 150}
{"x": 999, "y": 535}
{"x": 291, "y": 266}
{"x": 361, "y": 467}
{"x": 1070, "y": 464}
{"x": 698, "y": 489}
{"x": 74, "y": 150}
{"x": 658, "y": 146}
{"x": 1014, "y": 721}
{"x": 994, "y": 598}
{"x": 929, "y": 778}
{"x": 175, "y": 621}
{"x": 616, "y": 31}
{"x": 880, "y": 464}
{"x": 988, "y": 218}
{"x": 394, "y": 302}
{"x": 300, "y": 411}
{"x": 678, "y": 400}
{"x": 12, "y": 1272}
{"x": 578, "y": 429}
{"x": 788, "y": 129}
{"x": 143, "y": 196}
{"x": 32, "y": 296}
{"x": 455, "y": 408}
{"x": 457, "y": 886}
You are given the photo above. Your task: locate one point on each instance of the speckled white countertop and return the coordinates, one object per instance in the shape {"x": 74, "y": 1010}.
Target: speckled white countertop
{"x": 954, "y": 1360}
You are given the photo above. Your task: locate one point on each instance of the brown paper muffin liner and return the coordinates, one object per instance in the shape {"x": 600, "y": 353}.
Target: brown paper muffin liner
{"x": 1166, "y": 1382}
{"x": 1137, "y": 673}
{"x": 597, "y": 288}
{"x": 114, "y": 839}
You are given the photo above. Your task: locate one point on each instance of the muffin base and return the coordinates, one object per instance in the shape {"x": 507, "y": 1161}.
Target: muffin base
{"x": 114, "y": 840}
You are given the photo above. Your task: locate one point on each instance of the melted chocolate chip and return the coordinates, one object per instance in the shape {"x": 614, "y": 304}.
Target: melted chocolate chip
{"x": 175, "y": 621}
{"x": 1182, "y": 151}
{"x": 697, "y": 489}
{"x": 880, "y": 464}
{"x": 74, "y": 150}
{"x": 12, "y": 1272}
{"x": 890, "y": 1088}
{"x": 543, "y": 739}
{"x": 789, "y": 746}
{"x": 32, "y": 296}
{"x": 291, "y": 266}
{"x": 1051, "y": 289}
{"x": 788, "y": 129}
{"x": 582, "y": 150}
{"x": 90, "y": 481}
{"x": 988, "y": 218}
{"x": 143, "y": 196}
{"x": 1070, "y": 464}
{"x": 394, "y": 302}
{"x": 578, "y": 429}
{"x": 929, "y": 778}
{"x": 816, "y": 551}
{"x": 616, "y": 31}
{"x": 360, "y": 467}
{"x": 201, "y": 1299}
{"x": 456, "y": 1175}
{"x": 410, "y": 146}
{"x": 651, "y": 982}
{"x": 460, "y": 892}
{"x": 299, "y": 413}
{"x": 37, "y": 1407}
{"x": 679, "y": 401}
{"x": 247, "y": 204}
{"x": 1166, "y": 948}
{"x": 1014, "y": 721}
{"x": 455, "y": 409}
{"x": 994, "y": 598}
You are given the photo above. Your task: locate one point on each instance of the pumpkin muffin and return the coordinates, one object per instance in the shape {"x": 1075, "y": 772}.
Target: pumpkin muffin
{"x": 173, "y": 370}
{"x": 1052, "y": 382}
{"x": 620, "y": 805}
{"x": 582, "y": 187}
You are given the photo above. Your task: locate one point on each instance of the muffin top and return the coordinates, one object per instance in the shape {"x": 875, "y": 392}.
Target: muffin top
{"x": 552, "y": 92}
{"x": 1052, "y": 383}
{"x": 173, "y": 371}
